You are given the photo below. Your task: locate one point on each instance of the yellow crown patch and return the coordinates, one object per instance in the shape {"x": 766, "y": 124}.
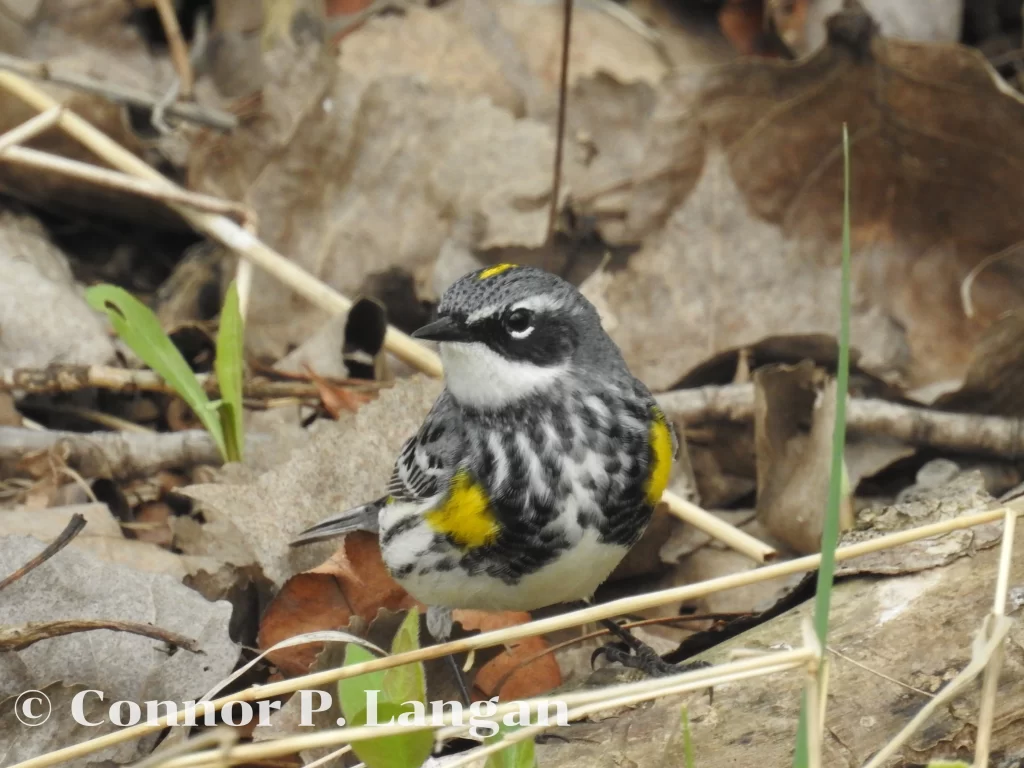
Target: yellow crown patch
{"x": 497, "y": 269}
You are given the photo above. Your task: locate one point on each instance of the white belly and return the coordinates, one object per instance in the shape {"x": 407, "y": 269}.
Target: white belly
{"x": 573, "y": 576}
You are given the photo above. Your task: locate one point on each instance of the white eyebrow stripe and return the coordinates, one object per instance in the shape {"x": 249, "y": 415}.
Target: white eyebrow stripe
{"x": 480, "y": 314}
{"x": 538, "y": 303}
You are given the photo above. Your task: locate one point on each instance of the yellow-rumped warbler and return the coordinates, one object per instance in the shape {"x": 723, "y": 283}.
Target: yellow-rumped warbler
{"x": 538, "y": 466}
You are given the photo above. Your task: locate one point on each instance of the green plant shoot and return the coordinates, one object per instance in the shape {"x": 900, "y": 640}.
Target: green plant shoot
{"x": 139, "y": 328}
{"x": 830, "y": 533}
{"x": 230, "y": 368}
{"x": 520, "y": 754}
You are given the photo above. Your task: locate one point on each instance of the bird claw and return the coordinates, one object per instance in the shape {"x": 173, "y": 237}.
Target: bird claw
{"x": 643, "y": 658}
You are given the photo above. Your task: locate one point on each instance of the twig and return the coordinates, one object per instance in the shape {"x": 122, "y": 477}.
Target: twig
{"x": 120, "y": 94}
{"x": 72, "y": 378}
{"x": 563, "y": 99}
{"x": 962, "y": 432}
{"x": 990, "y": 683}
{"x": 176, "y": 44}
{"x": 30, "y": 128}
{"x": 728, "y": 534}
{"x": 220, "y": 228}
{"x": 531, "y": 629}
{"x": 72, "y": 529}
{"x": 882, "y": 675}
{"x": 102, "y": 177}
{"x": 116, "y": 455}
{"x": 19, "y": 638}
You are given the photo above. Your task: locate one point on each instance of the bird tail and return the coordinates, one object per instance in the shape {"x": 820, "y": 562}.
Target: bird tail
{"x": 362, "y": 518}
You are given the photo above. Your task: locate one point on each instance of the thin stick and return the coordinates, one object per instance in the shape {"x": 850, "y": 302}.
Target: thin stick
{"x": 176, "y": 44}
{"x": 121, "y": 182}
{"x": 120, "y": 94}
{"x": 586, "y": 702}
{"x": 73, "y": 378}
{"x": 72, "y": 529}
{"x": 882, "y": 675}
{"x": 221, "y": 228}
{"x": 990, "y": 683}
{"x": 563, "y": 99}
{"x": 19, "y": 638}
{"x": 540, "y": 627}
{"x": 730, "y": 535}
{"x": 30, "y": 128}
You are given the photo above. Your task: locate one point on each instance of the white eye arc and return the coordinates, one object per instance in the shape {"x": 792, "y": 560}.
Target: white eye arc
{"x": 521, "y": 334}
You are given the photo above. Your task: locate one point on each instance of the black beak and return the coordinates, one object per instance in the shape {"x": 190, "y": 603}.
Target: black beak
{"x": 442, "y": 329}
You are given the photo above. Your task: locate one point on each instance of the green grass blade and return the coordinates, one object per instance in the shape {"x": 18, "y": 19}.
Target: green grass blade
{"x": 230, "y": 366}
{"x": 139, "y": 328}
{"x": 684, "y": 716}
{"x": 830, "y": 534}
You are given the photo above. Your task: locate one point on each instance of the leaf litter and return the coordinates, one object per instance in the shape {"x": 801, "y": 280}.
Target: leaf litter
{"x": 422, "y": 148}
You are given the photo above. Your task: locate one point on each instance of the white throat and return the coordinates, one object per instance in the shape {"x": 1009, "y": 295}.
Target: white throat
{"x": 479, "y": 377}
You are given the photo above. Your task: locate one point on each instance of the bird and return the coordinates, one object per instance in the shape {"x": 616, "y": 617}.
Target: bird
{"x": 537, "y": 468}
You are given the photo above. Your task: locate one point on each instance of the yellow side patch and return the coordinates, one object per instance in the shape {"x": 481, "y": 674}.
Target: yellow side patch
{"x": 466, "y": 514}
{"x": 497, "y": 269}
{"x": 661, "y": 449}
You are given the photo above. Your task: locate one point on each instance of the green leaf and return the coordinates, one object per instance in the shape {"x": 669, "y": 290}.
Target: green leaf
{"x": 402, "y": 750}
{"x": 352, "y": 690}
{"x": 139, "y": 328}
{"x": 229, "y": 366}
{"x": 407, "y": 682}
{"x": 830, "y": 534}
{"x": 521, "y": 754}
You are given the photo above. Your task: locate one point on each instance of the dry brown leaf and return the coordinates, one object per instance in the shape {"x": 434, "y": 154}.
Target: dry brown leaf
{"x": 75, "y": 584}
{"x": 392, "y": 163}
{"x": 345, "y": 464}
{"x": 521, "y": 681}
{"x": 739, "y": 200}
{"x": 994, "y": 384}
{"x": 43, "y": 314}
{"x": 353, "y": 582}
{"x": 794, "y": 416}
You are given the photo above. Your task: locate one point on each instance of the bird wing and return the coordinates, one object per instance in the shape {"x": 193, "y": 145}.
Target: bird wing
{"x": 427, "y": 461}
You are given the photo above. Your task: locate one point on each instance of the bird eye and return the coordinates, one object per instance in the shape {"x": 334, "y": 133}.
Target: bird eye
{"x": 519, "y": 321}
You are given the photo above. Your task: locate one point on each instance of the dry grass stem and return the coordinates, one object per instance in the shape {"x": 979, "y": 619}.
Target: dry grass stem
{"x": 121, "y": 182}
{"x": 177, "y": 46}
{"x": 72, "y": 529}
{"x": 539, "y": 627}
{"x": 987, "y": 707}
{"x": 580, "y": 704}
{"x": 729, "y": 535}
{"x": 882, "y": 675}
{"x": 119, "y": 94}
{"x": 30, "y": 128}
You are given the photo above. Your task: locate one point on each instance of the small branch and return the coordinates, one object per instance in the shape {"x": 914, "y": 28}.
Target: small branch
{"x": 121, "y": 182}
{"x": 72, "y": 529}
{"x": 59, "y": 378}
{"x": 120, "y": 94}
{"x": 962, "y": 432}
{"x": 728, "y": 534}
{"x": 116, "y": 455}
{"x": 563, "y": 98}
{"x": 19, "y": 638}
{"x": 176, "y": 44}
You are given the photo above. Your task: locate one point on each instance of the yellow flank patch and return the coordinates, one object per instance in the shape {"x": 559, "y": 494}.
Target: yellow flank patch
{"x": 465, "y": 515}
{"x": 661, "y": 449}
{"x": 497, "y": 269}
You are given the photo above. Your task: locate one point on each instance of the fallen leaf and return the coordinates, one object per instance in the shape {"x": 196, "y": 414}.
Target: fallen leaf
{"x": 353, "y": 582}
{"x": 345, "y": 464}
{"x": 37, "y": 279}
{"x": 79, "y": 585}
{"x": 517, "y": 680}
{"x": 794, "y": 416}
{"x": 738, "y": 203}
